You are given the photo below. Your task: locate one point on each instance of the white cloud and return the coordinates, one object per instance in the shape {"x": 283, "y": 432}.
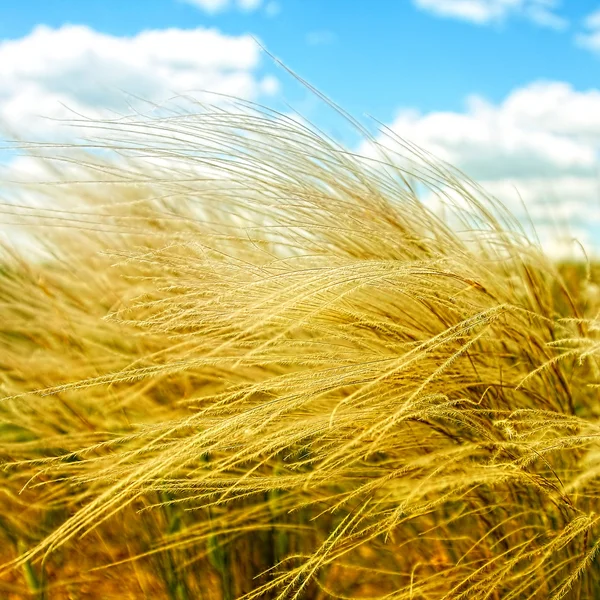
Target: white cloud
{"x": 590, "y": 38}
{"x": 540, "y": 145}
{"x": 559, "y": 242}
{"x": 272, "y": 9}
{"x": 537, "y": 131}
{"x": 216, "y": 6}
{"x": 209, "y": 6}
{"x": 320, "y": 37}
{"x": 249, "y": 5}
{"x": 487, "y": 12}
{"x": 53, "y": 72}
{"x": 544, "y": 17}
{"x": 592, "y": 21}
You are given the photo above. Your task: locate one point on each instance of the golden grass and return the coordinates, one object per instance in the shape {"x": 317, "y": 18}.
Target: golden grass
{"x": 249, "y": 363}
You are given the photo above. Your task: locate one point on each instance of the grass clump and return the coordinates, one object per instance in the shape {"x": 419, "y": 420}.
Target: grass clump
{"x": 243, "y": 362}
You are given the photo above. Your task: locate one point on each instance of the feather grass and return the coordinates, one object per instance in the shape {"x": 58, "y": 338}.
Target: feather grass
{"x": 245, "y": 362}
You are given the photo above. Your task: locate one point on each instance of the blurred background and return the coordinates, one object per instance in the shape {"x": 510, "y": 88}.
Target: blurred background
{"x": 506, "y": 90}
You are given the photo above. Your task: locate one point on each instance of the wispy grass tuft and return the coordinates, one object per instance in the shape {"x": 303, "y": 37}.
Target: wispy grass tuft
{"x": 240, "y": 361}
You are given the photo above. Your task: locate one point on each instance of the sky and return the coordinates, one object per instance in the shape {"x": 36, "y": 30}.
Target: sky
{"x": 506, "y": 90}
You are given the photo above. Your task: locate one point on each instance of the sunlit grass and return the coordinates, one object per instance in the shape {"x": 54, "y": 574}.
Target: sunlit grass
{"x": 246, "y": 362}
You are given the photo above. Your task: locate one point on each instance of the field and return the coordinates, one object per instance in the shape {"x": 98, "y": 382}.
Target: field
{"x": 239, "y": 361}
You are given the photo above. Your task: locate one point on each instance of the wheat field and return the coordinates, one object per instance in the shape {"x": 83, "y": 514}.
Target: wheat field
{"x": 239, "y": 361}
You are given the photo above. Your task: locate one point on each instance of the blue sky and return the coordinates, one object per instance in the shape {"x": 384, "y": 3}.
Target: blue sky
{"x": 369, "y": 56}
{"x": 506, "y": 89}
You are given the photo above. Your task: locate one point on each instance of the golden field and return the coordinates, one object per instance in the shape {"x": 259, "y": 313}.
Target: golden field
{"x": 241, "y": 361}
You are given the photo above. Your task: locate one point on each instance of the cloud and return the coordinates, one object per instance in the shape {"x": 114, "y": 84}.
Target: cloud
{"x": 590, "y": 38}
{"x": 592, "y": 21}
{"x": 322, "y": 37}
{"x": 249, "y": 5}
{"x": 272, "y": 9}
{"x": 59, "y": 72}
{"x": 538, "y": 130}
{"x": 489, "y": 12}
{"x": 217, "y": 6}
{"x": 539, "y": 146}
{"x": 544, "y": 17}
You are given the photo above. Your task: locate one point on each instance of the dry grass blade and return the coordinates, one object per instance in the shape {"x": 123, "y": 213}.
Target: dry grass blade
{"x": 240, "y": 361}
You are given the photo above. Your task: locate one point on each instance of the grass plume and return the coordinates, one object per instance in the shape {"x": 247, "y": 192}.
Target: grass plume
{"x": 245, "y": 362}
